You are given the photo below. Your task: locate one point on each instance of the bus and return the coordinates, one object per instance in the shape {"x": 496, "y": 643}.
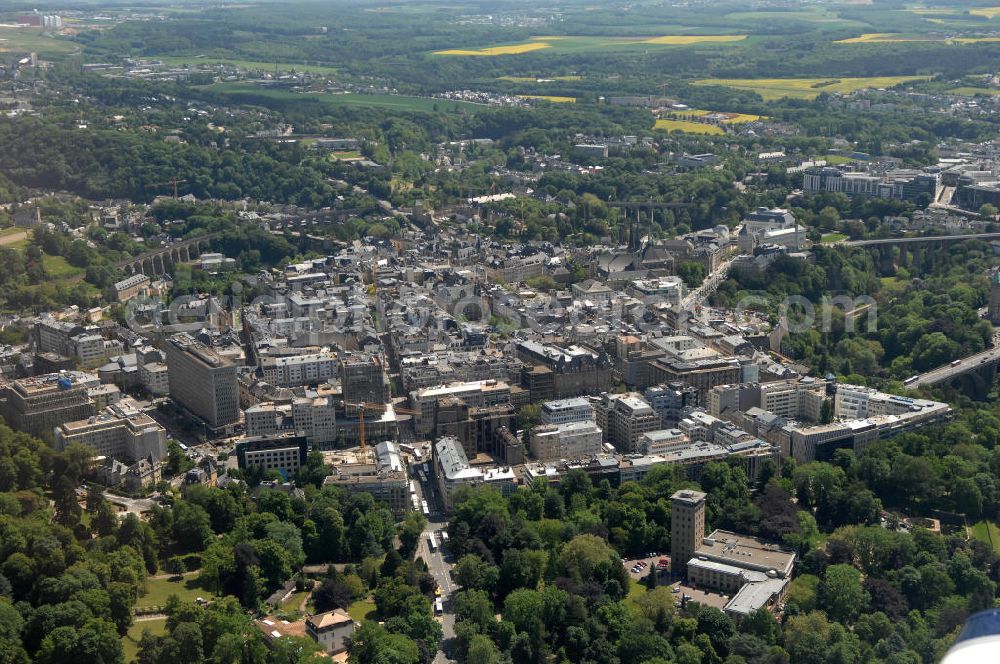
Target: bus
{"x": 426, "y": 510}
{"x": 423, "y": 478}
{"x": 427, "y": 469}
{"x": 911, "y": 380}
{"x": 444, "y": 536}
{"x": 413, "y": 488}
{"x": 439, "y": 606}
{"x": 432, "y": 542}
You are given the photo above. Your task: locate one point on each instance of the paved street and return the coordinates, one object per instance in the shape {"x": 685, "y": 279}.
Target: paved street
{"x": 439, "y": 562}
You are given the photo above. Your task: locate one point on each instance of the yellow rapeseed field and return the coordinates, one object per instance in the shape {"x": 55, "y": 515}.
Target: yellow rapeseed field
{"x": 892, "y": 38}
{"x": 554, "y": 99}
{"x": 680, "y": 40}
{"x": 687, "y": 127}
{"x": 511, "y": 49}
{"x": 807, "y": 88}
{"x": 736, "y": 118}
{"x": 988, "y": 12}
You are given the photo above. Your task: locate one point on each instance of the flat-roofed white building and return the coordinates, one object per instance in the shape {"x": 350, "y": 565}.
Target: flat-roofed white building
{"x": 572, "y": 440}
{"x": 563, "y": 411}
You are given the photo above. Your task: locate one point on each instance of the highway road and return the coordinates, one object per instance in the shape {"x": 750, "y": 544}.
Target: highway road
{"x": 923, "y": 238}
{"x": 945, "y": 373}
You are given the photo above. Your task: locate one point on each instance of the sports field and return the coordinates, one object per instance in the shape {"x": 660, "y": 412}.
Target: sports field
{"x": 808, "y": 88}
{"x": 573, "y": 43}
{"x": 687, "y": 127}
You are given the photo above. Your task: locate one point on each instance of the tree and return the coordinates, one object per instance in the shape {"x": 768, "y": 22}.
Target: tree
{"x": 192, "y": 527}
{"x": 482, "y": 650}
{"x": 841, "y": 593}
{"x": 988, "y": 210}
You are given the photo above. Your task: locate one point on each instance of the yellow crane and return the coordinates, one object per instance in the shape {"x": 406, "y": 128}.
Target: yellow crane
{"x": 168, "y": 183}
{"x": 374, "y": 407}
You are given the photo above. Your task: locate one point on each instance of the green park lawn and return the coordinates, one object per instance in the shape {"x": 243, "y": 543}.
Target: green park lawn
{"x": 158, "y": 590}
{"x": 830, "y": 238}
{"x": 130, "y": 642}
{"x": 361, "y": 610}
{"x": 989, "y": 532}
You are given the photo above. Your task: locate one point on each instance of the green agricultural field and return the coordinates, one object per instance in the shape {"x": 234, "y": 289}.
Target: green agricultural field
{"x": 27, "y": 40}
{"x": 831, "y": 238}
{"x": 969, "y": 91}
{"x": 576, "y": 44}
{"x": 158, "y": 590}
{"x": 807, "y": 88}
{"x": 822, "y": 18}
{"x": 195, "y": 60}
{"x": 130, "y": 642}
{"x": 250, "y": 93}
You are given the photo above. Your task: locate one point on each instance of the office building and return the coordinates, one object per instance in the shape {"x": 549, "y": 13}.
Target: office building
{"x": 624, "y": 418}
{"x": 475, "y": 394}
{"x": 702, "y": 373}
{"x": 572, "y": 440}
{"x": 687, "y": 526}
{"x": 121, "y": 431}
{"x": 384, "y": 478}
{"x": 452, "y": 471}
{"x": 756, "y": 571}
{"x": 298, "y": 370}
{"x": 671, "y": 400}
{"x": 906, "y": 185}
{"x": 564, "y": 411}
{"x": 285, "y": 452}
{"x": 661, "y": 441}
{"x": 39, "y": 404}
{"x": 203, "y": 381}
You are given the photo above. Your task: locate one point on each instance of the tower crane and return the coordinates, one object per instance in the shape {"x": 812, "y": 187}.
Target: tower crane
{"x": 169, "y": 183}
{"x": 373, "y": 407}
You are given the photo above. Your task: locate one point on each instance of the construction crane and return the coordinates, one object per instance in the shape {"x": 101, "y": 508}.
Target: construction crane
{"x": 168, "y": 183}
{"x": 380, "y": 407}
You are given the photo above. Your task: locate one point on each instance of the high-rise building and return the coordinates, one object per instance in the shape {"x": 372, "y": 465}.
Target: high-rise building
{"x": 203, "y": 381}
{"x": 363, "y": 379}
{"x": 624, "y": 418}
{"x": 687, "y": 526}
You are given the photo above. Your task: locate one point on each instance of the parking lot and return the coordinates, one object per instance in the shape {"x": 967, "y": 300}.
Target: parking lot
{"x": 646, "y": 563}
